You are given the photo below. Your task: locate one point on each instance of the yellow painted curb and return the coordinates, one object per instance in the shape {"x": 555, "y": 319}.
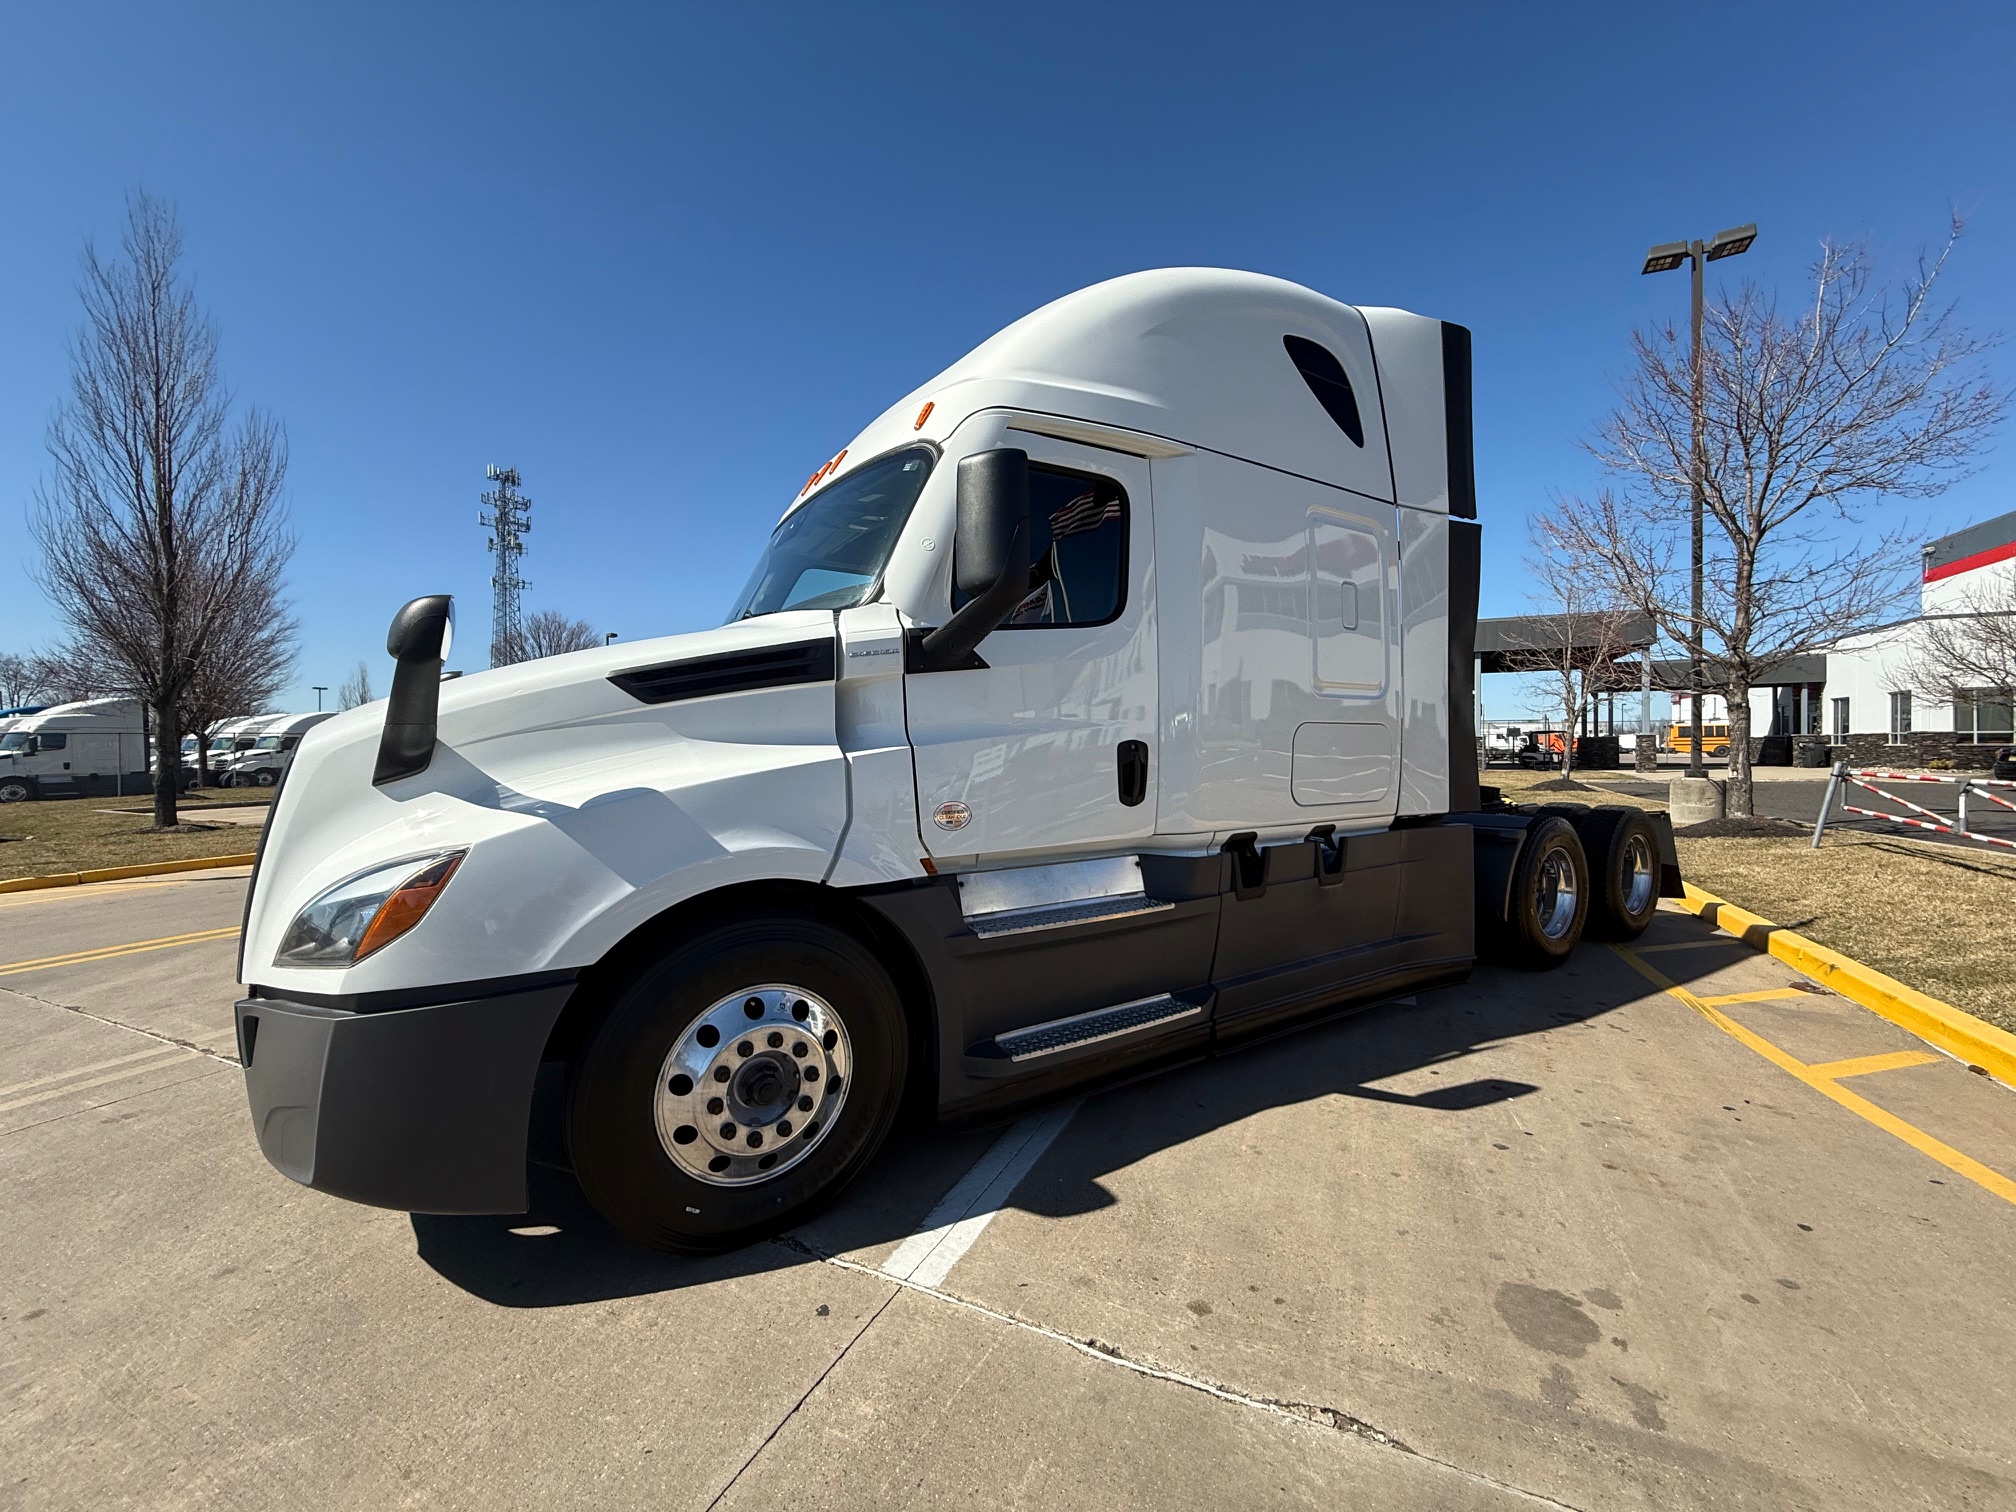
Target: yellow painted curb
{"x": 1973, "y": 1040}
{"x": 120, "y": 873}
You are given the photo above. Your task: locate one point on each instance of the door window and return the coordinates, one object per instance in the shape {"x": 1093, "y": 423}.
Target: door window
{"x": 1077, "y": 550}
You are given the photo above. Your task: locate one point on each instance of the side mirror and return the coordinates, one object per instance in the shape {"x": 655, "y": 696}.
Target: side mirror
{"x": 990, "y": 556}
{"x": 421, "y": 635}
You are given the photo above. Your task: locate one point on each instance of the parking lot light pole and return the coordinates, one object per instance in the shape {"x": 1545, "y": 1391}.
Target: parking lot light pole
{"x": 1664, "y": 258}
{"x": 320, "y": 689}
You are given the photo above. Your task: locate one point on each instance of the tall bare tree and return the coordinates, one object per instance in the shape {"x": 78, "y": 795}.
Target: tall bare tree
{"x": 240, "y": 673}
{"x": 551, "y": 633}
{"x": 1576, "y": 641}
{"x": 355, "y": 689}
{"x": 1859, "y": 396}
{"x": 162, "y": 528}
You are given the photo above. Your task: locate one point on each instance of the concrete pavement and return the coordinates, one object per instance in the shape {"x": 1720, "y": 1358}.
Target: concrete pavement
{"x": 1584, "y": 1239}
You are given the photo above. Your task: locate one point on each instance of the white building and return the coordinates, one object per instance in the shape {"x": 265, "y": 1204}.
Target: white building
{"x": 1860, "y": 693}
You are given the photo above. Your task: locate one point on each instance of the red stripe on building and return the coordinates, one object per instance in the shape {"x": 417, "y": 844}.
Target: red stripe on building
{"x": 1986, "y": 558}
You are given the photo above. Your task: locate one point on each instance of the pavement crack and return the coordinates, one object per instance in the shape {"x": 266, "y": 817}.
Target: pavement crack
{"x": 820, "y": 1380}
{"x": 1309, "y": 1414}
{"x": 112, "y": 1023}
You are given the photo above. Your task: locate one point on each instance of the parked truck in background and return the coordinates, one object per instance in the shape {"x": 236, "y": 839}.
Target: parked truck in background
{"x": 91, "y": 748}
{"x": 271, "y": 752}
{"x": 1105, "y": 703}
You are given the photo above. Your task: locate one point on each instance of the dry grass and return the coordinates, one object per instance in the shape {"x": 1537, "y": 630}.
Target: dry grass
{"x": 1936, "y": 917}
{"x": 76, "y": 834}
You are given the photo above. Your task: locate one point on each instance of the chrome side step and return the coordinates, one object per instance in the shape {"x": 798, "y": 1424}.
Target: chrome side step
{"x": 1063, "y": 1034}
{"x": 1016, "y": 921}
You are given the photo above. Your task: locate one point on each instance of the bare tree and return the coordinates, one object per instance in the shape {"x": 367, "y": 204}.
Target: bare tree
{"x": 355, "y": 689}
{"x": 23, "y": 680}
{"x": 240, "y": 673}
{"x": 551, "y": 633}
{"x": 1858, "y": 396}
{"x": 1969, "y": 647}
{"x": 1575, "y": 641}
{"x": 162, "y": 530}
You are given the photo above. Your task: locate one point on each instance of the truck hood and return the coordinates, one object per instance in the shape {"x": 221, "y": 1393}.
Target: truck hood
{"x": 573, "y": 797}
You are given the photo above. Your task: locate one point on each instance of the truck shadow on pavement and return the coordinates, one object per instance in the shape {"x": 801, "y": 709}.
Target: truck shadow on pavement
{"x": 562, "y": 1252}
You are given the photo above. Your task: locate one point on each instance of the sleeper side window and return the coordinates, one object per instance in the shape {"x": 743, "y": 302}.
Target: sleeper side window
{"x": 1328, "y": 381}
{"x": 52, "y": 740}
{"x": 1077, "y": 551}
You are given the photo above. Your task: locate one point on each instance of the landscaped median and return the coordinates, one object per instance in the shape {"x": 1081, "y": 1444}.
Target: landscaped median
{"x": 61, "y": 842}
{"x": 1973, "y": 1040}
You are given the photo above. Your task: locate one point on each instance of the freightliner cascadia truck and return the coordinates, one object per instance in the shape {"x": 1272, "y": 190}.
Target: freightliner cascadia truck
{"x": 1104, "y": 704}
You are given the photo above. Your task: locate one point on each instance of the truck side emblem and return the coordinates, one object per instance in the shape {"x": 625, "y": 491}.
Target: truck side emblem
{"x": 952, "y": 816}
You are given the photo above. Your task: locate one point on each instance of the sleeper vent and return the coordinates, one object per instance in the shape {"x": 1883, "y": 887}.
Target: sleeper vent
{"x": 731, "y": 672}
{"x": 1328, "y": 381}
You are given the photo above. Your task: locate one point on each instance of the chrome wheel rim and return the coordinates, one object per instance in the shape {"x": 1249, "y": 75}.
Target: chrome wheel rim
{"x": 1638, "y": 879}
{"x": 753, "y": 1085}
{"x": 1558, "y": 894}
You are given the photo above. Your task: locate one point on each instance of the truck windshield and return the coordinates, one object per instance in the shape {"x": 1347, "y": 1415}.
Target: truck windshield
{"x": 830, "y": 551}
{"x": 18, "y": 741}
{"x": 268, "y": 743}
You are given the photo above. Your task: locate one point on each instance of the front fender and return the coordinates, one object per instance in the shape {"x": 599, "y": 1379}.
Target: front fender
{"x": 577, "y": 831}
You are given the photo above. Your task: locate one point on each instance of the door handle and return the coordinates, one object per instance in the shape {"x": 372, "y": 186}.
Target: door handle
{"x": 1133, "y": 763}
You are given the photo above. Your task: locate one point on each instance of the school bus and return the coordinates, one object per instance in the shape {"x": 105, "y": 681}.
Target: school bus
{"x": 1714, "y": 739}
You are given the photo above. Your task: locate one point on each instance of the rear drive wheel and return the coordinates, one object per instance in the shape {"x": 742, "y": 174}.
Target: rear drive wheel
{"x": 265, "y": 777}
{"x": 738, "y": 1082}
{"x": 1549, "y": 898}
{"x": 1623, "y": 852}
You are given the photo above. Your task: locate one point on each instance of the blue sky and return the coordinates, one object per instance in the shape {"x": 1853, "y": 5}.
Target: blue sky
{"x": 667, "y": 259}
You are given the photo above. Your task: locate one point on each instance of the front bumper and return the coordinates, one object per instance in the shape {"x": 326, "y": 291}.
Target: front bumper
{"x": 425, "y": 1109}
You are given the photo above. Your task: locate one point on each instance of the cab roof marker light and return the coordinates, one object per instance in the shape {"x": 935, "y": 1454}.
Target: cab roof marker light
{"x": 924, "y": 414}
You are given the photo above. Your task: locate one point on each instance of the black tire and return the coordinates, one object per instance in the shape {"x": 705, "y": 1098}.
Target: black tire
{"x": 614, "y": 1096}
{"x": 265, "y": 777}
{"x": 14, "y": 790}
{"x": 1623, "y": 851}
{"x": 1549, "y": 898}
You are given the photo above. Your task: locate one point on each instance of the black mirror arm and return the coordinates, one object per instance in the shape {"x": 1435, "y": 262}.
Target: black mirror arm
{"x": 416, "y": 641}
{"x": 949, "y": 647}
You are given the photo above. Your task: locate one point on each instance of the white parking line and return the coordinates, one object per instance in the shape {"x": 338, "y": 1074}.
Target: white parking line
{"x": 927, "y": 1256}
{"x": 77, "y": 1071}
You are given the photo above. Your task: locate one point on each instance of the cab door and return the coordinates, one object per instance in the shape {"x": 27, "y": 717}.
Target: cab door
{"x": 1051, "y": 746}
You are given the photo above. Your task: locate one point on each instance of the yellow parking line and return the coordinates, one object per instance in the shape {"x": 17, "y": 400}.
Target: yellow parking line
{"x": 1680, "y": 945}
{"x": 1826, "y": 1086}
{"x": 1769, "y": 995}
{"x": 108, "y": 952}
{"x": 1863, "y": 1065}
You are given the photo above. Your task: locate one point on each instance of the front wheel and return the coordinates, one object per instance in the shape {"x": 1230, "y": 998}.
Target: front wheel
{"x": 738, "y": 1082}
{"x": 1549, "y": 898}
{"x": 14, "y": 790}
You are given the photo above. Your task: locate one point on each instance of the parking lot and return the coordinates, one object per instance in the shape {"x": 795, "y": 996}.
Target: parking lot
{"x": 1669, "y": 1228}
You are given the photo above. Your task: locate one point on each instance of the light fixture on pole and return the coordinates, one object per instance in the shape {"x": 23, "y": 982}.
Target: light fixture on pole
{"x": 320, "y": 689}
{"x": 1664, "y": 258}
{"x": 609, "y": 639}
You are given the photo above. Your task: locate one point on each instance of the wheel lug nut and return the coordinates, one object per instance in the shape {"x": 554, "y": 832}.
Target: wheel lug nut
{"x": 799, "y": 1049}
{"x": 727, "y": 1131}
{"x": 784, "y": 1128}
{"x": 775, "y": 1040}
{"x": 755, "y": 1140}
{"x": 720, "y": 1073}
{"x": 804, "y": 1105}
{"x": 715, "y": 1105}
{"x": 745, "y": 1049}
{"x": 811, "y": 1073}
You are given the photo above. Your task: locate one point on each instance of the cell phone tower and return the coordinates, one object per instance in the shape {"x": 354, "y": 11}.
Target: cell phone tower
{"x": 508, "y": 520}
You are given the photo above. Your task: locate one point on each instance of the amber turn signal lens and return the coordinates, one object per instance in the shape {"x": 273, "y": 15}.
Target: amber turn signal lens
{"x": 407, "y": 906}
{"x": 924, "y": 414}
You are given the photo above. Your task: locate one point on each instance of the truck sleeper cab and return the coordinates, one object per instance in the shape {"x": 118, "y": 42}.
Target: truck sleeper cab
{"x": 1105, "y": 702}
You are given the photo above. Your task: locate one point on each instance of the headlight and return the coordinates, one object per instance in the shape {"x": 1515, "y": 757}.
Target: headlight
{"x": 349, "y": 921}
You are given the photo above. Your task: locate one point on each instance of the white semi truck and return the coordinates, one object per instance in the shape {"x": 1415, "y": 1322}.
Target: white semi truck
{"x": 263, "y": 763}
{"x": 1105, "y": 703}
{"x": 92, "y": 748}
